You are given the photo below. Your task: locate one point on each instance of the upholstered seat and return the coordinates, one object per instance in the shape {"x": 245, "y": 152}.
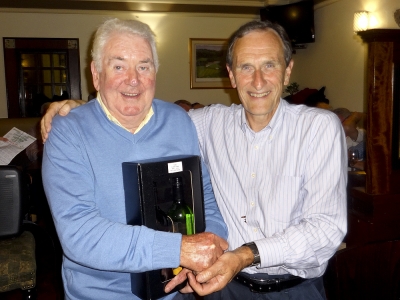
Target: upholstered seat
{"x": 17, "y": 263}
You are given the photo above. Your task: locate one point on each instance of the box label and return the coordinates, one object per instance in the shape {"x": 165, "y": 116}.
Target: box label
{"x": 175, "y": 167}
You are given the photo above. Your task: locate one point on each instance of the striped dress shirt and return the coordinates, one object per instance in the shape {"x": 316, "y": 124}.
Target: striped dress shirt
{"x": 283, "y": 187}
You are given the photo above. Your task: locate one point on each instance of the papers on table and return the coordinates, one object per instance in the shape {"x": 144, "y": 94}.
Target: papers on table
{"x": 18, "y": 140}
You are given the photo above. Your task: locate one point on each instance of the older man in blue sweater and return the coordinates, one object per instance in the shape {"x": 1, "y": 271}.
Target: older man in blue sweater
{"x": 82, "y": 172}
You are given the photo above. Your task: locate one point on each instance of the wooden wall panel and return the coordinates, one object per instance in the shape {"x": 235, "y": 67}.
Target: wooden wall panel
{"x": 380, "y": 107}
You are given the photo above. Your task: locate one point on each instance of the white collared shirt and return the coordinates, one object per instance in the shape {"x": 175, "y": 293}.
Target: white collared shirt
{"x": 283, "y": 187}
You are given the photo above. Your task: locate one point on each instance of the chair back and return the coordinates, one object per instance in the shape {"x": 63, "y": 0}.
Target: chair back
{"x": 11, "y": 201}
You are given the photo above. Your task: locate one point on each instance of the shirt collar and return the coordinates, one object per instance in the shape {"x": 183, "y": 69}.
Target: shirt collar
{"x": 272, "y": 124}
{"x": 115, "y": 121}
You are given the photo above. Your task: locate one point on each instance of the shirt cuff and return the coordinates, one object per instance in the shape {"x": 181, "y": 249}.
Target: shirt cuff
{"x": 166, "y": 250}
{"x": 271, "y": 252}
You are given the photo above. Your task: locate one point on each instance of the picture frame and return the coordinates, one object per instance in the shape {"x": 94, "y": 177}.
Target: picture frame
{"x": 208, "y": 64}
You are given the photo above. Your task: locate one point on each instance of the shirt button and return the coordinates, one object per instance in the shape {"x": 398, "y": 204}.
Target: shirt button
{"x": 255, "y": 229}
{"x": 252, "y": 203}
{"x": 256, "y": 147}
{"x": 270, "y": 137}
{"x": 253, "y": 175}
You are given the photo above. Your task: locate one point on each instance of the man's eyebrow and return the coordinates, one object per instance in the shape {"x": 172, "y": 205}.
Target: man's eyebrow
{"x": 120, "y": 58}
{"x": 116, "y": 58}
{"x": 244, "y": 64}
{"x": 265, "y": 62}
{"x": 148, "y": 60}
{"x": 271, "y": 61}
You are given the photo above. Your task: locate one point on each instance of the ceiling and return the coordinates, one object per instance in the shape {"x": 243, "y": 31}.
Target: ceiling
{"x": 194, "y": 6}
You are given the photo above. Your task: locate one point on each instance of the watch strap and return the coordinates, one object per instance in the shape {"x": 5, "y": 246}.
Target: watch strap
{"x": 254, "y": 249}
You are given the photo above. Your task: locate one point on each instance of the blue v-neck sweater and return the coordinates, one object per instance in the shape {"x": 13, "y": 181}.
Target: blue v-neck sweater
{"x": 82, "y": 177}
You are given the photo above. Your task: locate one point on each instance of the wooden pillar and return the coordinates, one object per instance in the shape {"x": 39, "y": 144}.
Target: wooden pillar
{"x": 374, "y": 210}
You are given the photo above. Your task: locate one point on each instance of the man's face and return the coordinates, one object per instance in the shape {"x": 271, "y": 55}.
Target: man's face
{"x": 259, "y": 73}
{"x": 127, "y": 79}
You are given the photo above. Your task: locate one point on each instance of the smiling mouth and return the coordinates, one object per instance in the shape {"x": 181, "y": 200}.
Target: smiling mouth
{"x": 129, "y": 94}
{"x": 259, "y": 95}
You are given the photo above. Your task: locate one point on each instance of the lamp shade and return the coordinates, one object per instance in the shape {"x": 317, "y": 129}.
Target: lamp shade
{"x": 361, "y": 21}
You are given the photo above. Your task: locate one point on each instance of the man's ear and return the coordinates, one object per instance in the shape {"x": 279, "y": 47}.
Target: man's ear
{"x": 288, "y": 72}
{"x": 231, "y": 77}
{"x": 95, "y": 76}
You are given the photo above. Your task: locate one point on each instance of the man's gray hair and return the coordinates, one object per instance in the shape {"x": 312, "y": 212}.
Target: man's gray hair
{"x": 113, "y": 26}
{"x": 260, "y": 26}
{"x": 342, "y": 113}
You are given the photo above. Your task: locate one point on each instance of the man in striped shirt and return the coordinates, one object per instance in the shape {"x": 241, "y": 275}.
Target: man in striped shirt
{"x": 279, "y": 176}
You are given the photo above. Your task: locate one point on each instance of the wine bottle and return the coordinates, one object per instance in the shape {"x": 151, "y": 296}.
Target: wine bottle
{"x": 180, "y": 213}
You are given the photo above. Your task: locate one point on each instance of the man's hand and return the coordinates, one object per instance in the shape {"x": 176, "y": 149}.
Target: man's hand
{"x": 359, "y": 165}
{"x": 62, "y": 108}
{"x": 222, "y": 272}
{"x": 177, "y": 280}
{"x": 200, "y": 251}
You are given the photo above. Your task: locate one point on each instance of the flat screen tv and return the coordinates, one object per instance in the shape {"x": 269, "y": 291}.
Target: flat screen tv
{"x": 297, "y": 19}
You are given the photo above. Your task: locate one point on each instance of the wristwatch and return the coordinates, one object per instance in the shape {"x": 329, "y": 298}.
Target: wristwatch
{"x": 254, "y": 249}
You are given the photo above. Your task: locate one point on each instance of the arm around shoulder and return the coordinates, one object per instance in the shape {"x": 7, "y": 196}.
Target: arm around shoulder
{"x": 62, "y": 108}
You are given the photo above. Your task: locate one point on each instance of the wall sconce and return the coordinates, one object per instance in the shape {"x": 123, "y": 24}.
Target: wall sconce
{"x": 361, "y": 21}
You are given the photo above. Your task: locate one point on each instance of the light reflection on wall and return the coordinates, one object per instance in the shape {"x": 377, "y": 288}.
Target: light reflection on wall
{"x": 155, "y": 21}
{"x": 378, "y": 14}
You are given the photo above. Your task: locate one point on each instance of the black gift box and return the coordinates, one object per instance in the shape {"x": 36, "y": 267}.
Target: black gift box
{"x": 148, "y": 191}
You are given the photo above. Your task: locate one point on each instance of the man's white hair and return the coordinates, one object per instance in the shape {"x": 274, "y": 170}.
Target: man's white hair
{"x": 117, "y": 26}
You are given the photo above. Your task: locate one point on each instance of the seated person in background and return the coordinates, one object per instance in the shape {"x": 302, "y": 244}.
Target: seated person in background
{"x": 300, "y": 96}
{"x": 318, "y": 99}
{"x": 361, "y": 151}
{"x": 82, "y": 172}
{"x": 350, "y": 120}
{"x": 186, "y": 105}
{"x": 310, "y": 97}
{"x": 355, "y": 136}
{"x": 31, "y": 157}
{"x": 197, "y": 105}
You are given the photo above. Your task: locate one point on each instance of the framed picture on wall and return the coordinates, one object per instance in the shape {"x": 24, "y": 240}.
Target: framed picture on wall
{"x": 208, "y": 64}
